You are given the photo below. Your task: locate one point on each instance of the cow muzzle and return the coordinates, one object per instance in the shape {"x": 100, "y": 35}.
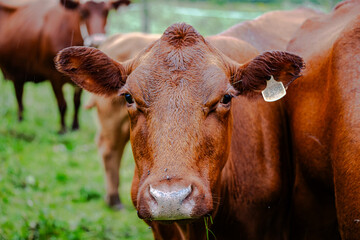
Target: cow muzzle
{"x": 91, "y": 40}
{"x": 94, "y": 40}
{"x": 171, "y": 205}
{"x": 165, "y": 202}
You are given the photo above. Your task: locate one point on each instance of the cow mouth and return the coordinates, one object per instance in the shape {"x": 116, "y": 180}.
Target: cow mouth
{"x": 186, "y": 220}
{"x": 181, "y": 221}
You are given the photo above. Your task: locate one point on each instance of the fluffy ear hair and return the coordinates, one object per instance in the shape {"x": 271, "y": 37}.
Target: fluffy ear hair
{"x": 69, "y": 4}
{"x": 118, "y": 3}
{"x": 252, "y": 76}
{"x": 91, "y": 69}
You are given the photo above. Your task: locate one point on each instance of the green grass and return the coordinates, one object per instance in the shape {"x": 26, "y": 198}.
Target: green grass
{"x": 52, "y": 186}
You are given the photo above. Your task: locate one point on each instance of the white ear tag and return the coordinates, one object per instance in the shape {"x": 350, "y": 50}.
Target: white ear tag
{"x": 274, "y": 90}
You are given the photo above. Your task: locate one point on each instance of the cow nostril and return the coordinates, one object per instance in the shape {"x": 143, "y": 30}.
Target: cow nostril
{"x": 162, "y": 196}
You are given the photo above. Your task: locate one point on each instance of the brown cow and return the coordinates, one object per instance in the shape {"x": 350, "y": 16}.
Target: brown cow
{"x": 113, "y": 132}
{"x": 199, "y": 153}
{"x": 32, "y": 33}
{"x": 114, "y": 129}
{"x": 324, "y": 115}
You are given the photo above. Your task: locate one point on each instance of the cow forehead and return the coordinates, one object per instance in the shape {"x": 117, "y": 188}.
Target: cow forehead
{"x": 180, "y": 61}
{"x": 155, "y": 78}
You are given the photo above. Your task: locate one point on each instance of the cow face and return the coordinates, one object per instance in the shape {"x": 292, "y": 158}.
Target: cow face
{"x": 93, "y": 16}
{"x": 178, "y": 93}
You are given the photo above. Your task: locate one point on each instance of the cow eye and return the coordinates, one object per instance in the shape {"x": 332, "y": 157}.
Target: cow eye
{"x": 226, "y": 99}
{"x": 128, "y": 98}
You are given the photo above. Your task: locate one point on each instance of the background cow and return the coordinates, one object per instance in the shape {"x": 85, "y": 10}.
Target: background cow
{"x": 272, "y": 30}
{"x": 113, "y": 129}
{"x": 33, "y": 32}
{"x": 324, "y": 114}
{"x": 179, "y": 94}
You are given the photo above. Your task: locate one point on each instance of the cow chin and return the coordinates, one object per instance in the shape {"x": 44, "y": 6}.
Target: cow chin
{"x": 173, "y": 201}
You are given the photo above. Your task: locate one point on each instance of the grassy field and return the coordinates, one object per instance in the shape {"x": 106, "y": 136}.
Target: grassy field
{"x": 52, "y": 186}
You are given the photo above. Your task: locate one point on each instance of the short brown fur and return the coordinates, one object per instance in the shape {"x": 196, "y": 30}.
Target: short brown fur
{"x": 323, "y": 110}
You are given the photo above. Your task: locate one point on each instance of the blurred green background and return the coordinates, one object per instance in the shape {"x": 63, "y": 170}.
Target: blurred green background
{"x": 52, "y": 186}
{"x": 207, "y": 16}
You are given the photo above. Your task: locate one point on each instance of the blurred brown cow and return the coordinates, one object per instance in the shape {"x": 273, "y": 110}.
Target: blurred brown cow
{"x": 32, "y": 32}
{"x": 114, "y": 127}
{"x": 272, "y": 30}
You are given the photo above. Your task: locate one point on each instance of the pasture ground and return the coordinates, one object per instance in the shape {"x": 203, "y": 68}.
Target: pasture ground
{"x": 52, "y": 186}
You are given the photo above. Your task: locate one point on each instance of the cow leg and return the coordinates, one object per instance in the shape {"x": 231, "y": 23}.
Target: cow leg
{"x": 19, "y": 90}
{"x": 111, "y": 153}
{"x": 111, "y": 157}
{"x": 58, "y": 91}
{"x": 77, "y": 101}
{"x": 113, "y": 135}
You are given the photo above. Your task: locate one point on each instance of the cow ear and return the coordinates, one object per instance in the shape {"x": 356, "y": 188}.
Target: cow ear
{"x": 250, "y": 78}
{"x": 118, "y": 3}
{"x": 91, "y": 69}
{"x": 69, "y": 4}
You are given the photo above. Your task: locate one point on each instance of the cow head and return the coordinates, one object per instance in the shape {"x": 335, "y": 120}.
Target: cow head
{"x": 93, "y": 16}
{"x": 178, "y": 93}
